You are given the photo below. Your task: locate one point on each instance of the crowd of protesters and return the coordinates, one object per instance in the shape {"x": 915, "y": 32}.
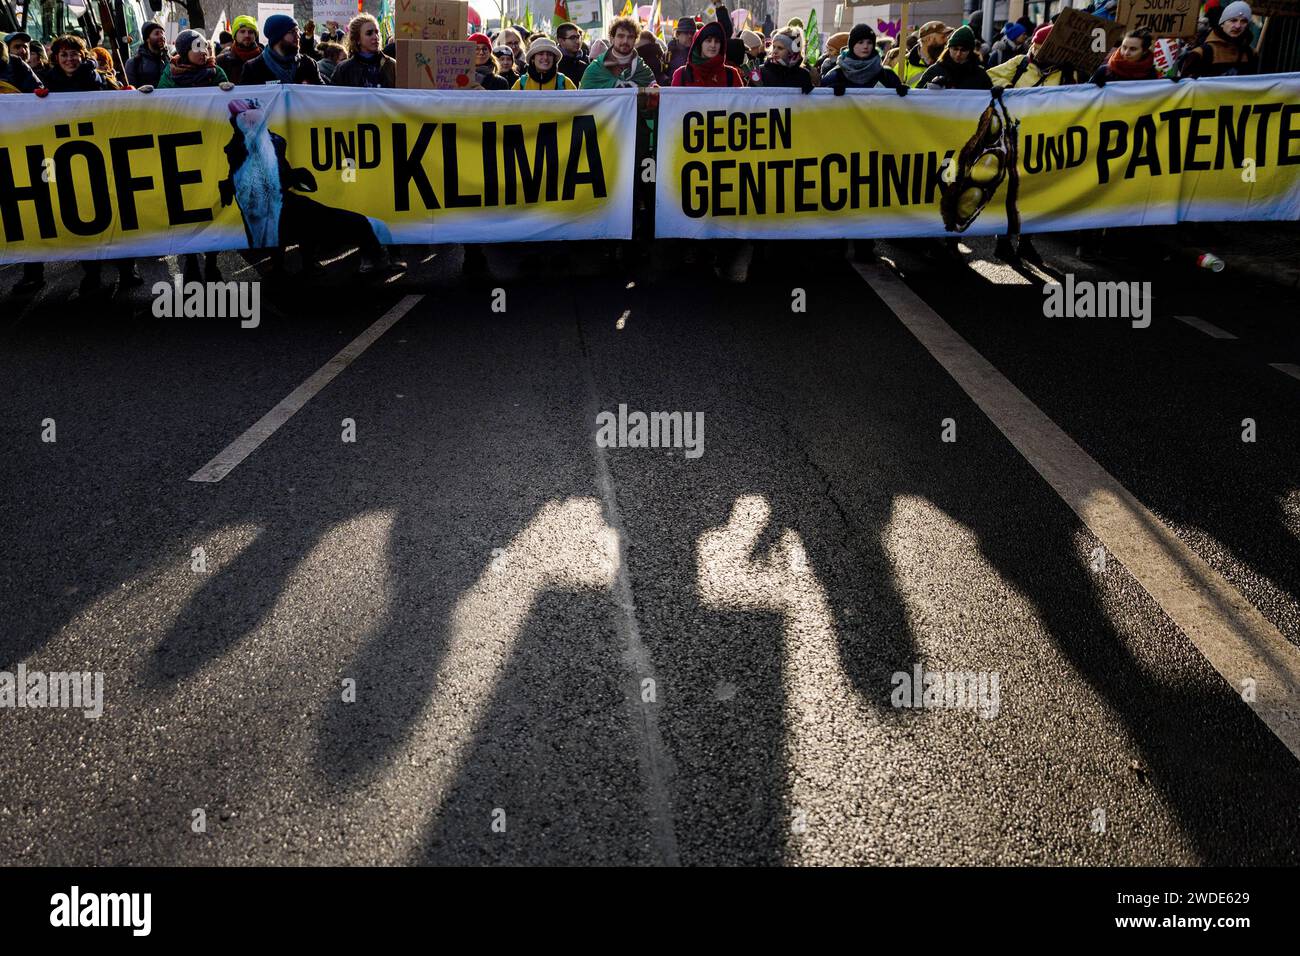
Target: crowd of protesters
{"x": 935, "y": 56}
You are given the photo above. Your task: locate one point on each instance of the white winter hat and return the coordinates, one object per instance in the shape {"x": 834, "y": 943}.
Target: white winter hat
{"x": 543, "y": 45}
{"x": 1238, "y": 8}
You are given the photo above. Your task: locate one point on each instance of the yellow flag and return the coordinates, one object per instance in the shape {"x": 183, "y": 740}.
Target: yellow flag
{"x": 627, "y": 9}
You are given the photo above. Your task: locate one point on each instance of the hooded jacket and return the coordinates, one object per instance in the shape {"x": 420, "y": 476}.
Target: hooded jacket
{"x": 711, "y": 71}
{"x": 573, "y": 67}
{"x": 1220, "y": 55}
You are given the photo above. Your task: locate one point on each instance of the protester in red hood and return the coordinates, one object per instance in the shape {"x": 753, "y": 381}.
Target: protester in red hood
{"x": 707, "y": 65}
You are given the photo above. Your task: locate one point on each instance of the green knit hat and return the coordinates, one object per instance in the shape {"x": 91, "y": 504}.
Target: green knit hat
{"x": 963, "y": 36}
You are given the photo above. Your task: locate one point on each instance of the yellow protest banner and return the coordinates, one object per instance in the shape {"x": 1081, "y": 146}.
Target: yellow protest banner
{"x": 776, "y": 164}
{"x": 104, "y": 175}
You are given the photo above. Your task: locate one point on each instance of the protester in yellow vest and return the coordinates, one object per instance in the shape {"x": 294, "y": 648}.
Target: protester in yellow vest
{"x": 1029, "y": 69}
{"x": 930, "y": 42}
{"x": 543, "y": 68}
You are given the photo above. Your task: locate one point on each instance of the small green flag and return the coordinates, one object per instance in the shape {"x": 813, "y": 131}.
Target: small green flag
{"x": 812, "y": 39}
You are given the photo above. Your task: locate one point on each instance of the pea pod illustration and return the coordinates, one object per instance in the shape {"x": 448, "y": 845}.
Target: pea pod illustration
{"x": 989, "y": 157}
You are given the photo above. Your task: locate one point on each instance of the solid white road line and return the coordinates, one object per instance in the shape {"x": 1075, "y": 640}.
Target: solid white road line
{"x": 266, "y": 426}
{"x": 1234, "y": 637}
{"x": 1286, "y": 368}
{"x": 1210, "y": 329}
{"x": 653, "y": 757}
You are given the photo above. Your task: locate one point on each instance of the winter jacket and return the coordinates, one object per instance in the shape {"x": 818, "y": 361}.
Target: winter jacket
{"x": 573, "y": 67}
{"x": 1020, "y": 72}
{"x": 15, "y": 75}
{"x": 837, "y": 79}
{"x": 146, "y": 67}
{"x": 558, "y": 81}
{"x": 598, "y": 77}
{"x": 489, "y": 79}
{"x": 381, "y": 73}
{"x": 257, "y": 73}
{"x": 233, "y": 64}
{"x": 795, "y": 76}
{"x": 168, "y": 82}
{"x": 954, "y": 76}
{"x": 86, "y": 79}
{"x": 714, "y": 71}
{"x": 678, "y": 55}
{"x": 1220, "y": 55}
{"x": 1002, "y": 51}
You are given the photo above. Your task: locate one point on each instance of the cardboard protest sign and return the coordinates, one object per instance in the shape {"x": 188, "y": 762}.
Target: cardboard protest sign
{"x": 267, "y": 10}
{"x": 1276, "y": 8}
{"x": 430, "y": 19}
{"x": 1081, "y": 40}
{"x": 333, "y": 11}
{"x": 1164, "y": 18}
{"x": 435, "y": 64}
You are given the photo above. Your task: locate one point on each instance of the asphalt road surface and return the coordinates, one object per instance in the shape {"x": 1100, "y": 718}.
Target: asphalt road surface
{"x": 474, "y": 635}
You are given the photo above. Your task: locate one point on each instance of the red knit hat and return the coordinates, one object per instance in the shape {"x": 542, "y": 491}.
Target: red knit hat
{"x": 1040, "y": 35}
{"x": 480, "y": 38}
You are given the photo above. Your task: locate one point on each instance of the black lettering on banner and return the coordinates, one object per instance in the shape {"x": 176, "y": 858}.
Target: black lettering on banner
{"x": 368, "y": 150}
{"x": 695, "y": 199}
{"x": 36, "y": 192}
{"x": 97, "y": 182}
{"x": 1232, "y": 138}
{"x": 1110, "y": 150}
{"x": 547, "y": 163}
{"x": 491, "y": 177}
{"x": 174, "y": 178}
{"x": 1264, "y": 111}
{"x": 693, "y": 132}
{"x": 583, "y": 141}
{"x": 753, "y": 191}
{"x": 719, "y": 188}
{"x": 1145, "y": 149}
{"x": 1195, "y": 139}
{"x": 1286, "y": 135}
{"x": 408, "y": 167}
{"x": 119, "y": 148}
{"x": 453, "y": 198}
{"x": 1174, "y": 119}
{"x": 842, "y": 196}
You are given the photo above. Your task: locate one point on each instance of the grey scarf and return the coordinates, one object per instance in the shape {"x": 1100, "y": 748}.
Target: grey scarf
{"x": 860, "y": 72}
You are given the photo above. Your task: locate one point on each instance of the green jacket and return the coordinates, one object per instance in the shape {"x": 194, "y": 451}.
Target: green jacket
{"x": 597, "y": 77}
{"x": 167, "y": 83}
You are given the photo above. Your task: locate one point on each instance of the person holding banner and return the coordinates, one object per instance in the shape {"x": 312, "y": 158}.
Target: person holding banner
{"x": 1031, "y": 69}
{"x": 707, "y": 65}
{"x": 74, "y": 72}
{"x": 244, "y": 50}
{"x": 958, "y": 67}
{"x": 146, "y": 67}
{"x": 573, "y": 62}
{"x": 1226, "y": 50}
{"x": 485, "y": 64}
{"x": 859, "y": 66}
{"x": 367, "y": 66}
{"x": 931, "y": 40}
{"x": 784, "y": 66}
{"x": 280, "y": 61}
{"x": 15, "y": 75}
{"x": 1131, "y": 60}
{"x": 542, "y": 72}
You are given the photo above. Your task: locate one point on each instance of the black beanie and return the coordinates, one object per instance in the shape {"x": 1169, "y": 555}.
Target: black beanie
{"x": 148, "y": 28}
{"x": 859, "y": 33}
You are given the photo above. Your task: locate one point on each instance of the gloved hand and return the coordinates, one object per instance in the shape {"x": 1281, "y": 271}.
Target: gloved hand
{"x": 806, "y": 90}
{"x": 839, "y": 89}
{"x": 902, "y": 90}
{"x": 226, "y": 87}
{"x": 146, "y": 88}
{"x": 1100, "y": 79}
